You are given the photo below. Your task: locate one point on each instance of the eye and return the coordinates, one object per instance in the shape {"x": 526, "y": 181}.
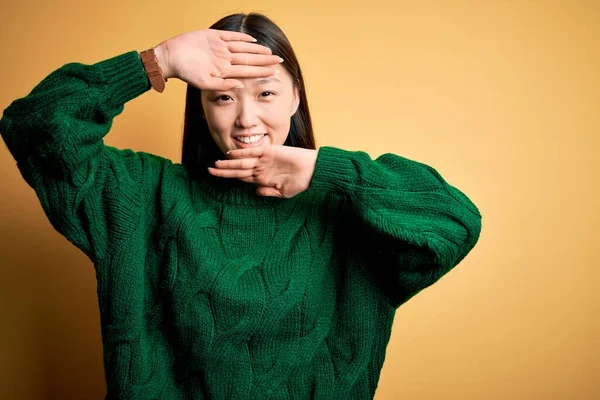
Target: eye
{"x": 267, "y": 94}
{"x": 223, "y": 97}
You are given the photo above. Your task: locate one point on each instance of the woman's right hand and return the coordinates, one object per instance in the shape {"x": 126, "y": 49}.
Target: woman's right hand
{"x": 211, "y": 59}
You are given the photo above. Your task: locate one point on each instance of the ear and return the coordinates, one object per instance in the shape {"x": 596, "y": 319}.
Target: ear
{"x": 295, "y": 102}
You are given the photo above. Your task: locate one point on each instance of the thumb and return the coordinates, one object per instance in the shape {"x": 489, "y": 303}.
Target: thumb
{"x": 268, "y": 191}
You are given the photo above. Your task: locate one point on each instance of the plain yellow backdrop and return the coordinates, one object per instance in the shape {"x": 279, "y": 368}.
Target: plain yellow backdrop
{"x": 501, "y": 97}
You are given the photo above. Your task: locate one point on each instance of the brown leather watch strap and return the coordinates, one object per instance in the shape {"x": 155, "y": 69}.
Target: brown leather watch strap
{"x": 153, "y": 70}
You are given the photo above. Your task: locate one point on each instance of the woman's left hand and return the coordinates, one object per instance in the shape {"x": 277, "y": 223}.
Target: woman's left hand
{"x": 281, "y": 171}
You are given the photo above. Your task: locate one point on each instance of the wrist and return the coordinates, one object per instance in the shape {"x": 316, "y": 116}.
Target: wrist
{"x": 162, "y": 55}
{"x": 153, "y": 69}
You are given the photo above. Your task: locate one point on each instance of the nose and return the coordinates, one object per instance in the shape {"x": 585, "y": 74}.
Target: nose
{"x": 247, "y": 114}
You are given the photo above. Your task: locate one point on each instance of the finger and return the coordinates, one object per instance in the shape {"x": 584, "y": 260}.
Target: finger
{"x": 221, "y": 84}
{"x": 249, "y": 179}
{"x": 268, "y": 191}
{"x": 244, "y": 47}
{"x": 254, "y": 59}
{"x": 244, "y": 163}
{"x": 248, "y": 71}
{"x": 230, "y": 173}
{"x": 231, "y": 36}
{"x": 251, "y": 152}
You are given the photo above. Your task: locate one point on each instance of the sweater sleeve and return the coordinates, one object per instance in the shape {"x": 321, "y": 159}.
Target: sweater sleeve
{"x": 90, "y": 192}
{"x": 410, "y": 226}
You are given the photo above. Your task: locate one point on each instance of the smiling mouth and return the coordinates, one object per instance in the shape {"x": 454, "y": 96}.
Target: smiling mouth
{"x": 250, "y": 139}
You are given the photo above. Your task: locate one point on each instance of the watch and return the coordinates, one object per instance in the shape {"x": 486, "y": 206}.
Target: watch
{"x": 153, "y": 70}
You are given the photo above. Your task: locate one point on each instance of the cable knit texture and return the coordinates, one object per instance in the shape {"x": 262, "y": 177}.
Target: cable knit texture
{"x": 207, "y": 291}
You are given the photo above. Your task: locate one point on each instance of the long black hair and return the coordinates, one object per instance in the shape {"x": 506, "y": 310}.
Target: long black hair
{"x": 199, "y": 149}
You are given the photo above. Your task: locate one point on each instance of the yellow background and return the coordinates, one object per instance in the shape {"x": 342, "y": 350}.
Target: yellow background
{"x": 501, "y": 97}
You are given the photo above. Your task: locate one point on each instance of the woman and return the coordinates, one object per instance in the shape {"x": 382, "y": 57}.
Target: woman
{"x": 272, "y": 273}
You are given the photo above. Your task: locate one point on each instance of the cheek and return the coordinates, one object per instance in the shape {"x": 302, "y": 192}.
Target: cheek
{"x": 277, "y": 116}
{"x": 219, "y": 121}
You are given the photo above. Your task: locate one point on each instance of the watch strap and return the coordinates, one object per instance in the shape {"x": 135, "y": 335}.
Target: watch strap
{"x": 153, "y": 70}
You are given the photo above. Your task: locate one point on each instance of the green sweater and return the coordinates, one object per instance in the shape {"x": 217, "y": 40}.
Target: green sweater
{"x": 206, "y": 290}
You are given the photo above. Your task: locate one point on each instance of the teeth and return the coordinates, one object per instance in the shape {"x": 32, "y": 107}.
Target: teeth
{"x": 249, "y": 139}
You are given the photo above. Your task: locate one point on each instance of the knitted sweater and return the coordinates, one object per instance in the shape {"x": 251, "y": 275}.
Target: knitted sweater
{"x": 208, "y": 291}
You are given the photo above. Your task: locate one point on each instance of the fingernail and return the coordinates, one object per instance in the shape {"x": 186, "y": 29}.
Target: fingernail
{"x": 254, "y": 40}
{"x": 228, "y": 152}
{"x": 280, "y": 60}
{"x": 276, "y": 72}
{"x": 239, "y": 87}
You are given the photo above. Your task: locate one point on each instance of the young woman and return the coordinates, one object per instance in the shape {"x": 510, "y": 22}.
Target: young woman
{"x": 259, "y": 267}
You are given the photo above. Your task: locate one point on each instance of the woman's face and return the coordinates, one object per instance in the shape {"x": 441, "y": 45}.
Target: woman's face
{"x": 256, "y": 115}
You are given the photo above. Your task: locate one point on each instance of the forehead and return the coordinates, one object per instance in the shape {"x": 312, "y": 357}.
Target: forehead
{"x": 262, "y": 81}
{"x": 281, "y": 76}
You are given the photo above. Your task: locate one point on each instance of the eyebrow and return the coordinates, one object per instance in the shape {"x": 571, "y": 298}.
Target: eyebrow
{"x": 256, "y": 83}
{"x": 266, "y": 80}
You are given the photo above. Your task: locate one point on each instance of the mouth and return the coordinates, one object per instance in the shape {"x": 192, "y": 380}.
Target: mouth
{"x": 246, "y": 141}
